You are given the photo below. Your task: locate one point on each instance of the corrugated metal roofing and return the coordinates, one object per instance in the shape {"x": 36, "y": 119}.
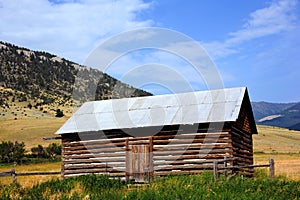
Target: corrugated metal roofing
{"x": 186, "y": 108}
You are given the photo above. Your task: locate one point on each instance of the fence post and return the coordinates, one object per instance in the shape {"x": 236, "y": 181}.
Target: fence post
{"x": 272, "y": 169}
{"x": 225, "y": 165}
{"x": 216, "y": 169}
{"x": 13, "y": 174}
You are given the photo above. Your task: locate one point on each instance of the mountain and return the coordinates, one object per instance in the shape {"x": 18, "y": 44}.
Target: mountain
{"x": 263, "y": 109}
{"x": 41, "y": 79}
{"x": 285, "y": 115}
{"x": 36, "y": 84}
{"x": 295, "y": 127}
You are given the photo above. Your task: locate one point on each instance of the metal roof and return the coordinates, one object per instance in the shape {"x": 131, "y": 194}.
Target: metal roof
{"x": 221, "y": 105}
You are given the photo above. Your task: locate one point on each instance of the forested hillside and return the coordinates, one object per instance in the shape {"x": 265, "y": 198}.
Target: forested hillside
{"x": 43, "y": 79}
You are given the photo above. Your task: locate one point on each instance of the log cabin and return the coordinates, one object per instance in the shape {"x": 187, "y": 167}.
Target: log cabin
{"x": 145, "y": 137}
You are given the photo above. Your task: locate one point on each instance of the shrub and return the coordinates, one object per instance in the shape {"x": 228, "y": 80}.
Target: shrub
{"x": 53, "y": 150}
{"x": 10, "y": 151}
{"x": 59, "y": 113}
{"x": 29, "y": 106}
{"x": 39, "y": 152}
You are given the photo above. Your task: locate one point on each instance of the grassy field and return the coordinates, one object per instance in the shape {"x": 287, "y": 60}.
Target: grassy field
{"x": 281, "y": 144}
{"x": 276, "y": 140}
{"x": 30, "y": 131}
{"x": 29, "y": 181}
{"x": 287, "y": 165}
{"x": 202, "y": 186}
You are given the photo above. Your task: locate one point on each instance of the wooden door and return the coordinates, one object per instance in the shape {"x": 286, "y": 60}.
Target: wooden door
{"x": 140, "y": 162}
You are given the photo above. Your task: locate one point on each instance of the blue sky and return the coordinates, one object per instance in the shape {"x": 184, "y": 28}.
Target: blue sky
{"x": 252, "y": 43}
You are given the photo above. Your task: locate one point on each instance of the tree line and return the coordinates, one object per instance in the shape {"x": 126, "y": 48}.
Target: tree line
{"x": 15, "y": 151}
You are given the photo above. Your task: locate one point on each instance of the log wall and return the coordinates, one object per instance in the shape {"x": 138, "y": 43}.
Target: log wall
{"x": 189, "y": 153}
{"x": 242, "y": 143}
{"x": 163, "y": 154}
{"x": 242, "y": 146}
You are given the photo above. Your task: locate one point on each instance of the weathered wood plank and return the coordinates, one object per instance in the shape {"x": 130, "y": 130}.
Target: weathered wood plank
{"x": 36, "y": 173}
{"x": 93, "y": 160}
{"x": 111, "y": 174}
{"x": 272, "y": 169}
{"x": 151, "y": 161}
{"x": 182, "y": 167}
{"x": 182, "y": 162}
{"x": 191, "y": 152}
{"x": 90, "y": 166}
{"x": 96, "y": 155}
{"x": 97, "y": 164}
{"x": 94, "y": 151}
{"x": 176, "y": 135}
{"x": 102, "y": 159}
{"x": 91, "y": 171}
{"x": 183, "y": 157}
{"x": 192, "y": 136}
{"x": 193, "y": 146}
{"x": 128, "y": 157}
{"x": 242, "y": 132}
{"x": 190, "y": 141}
{"x": 242, "y": 142}
{"x": 102, "y": 143}
{"x": 238, "y": 145}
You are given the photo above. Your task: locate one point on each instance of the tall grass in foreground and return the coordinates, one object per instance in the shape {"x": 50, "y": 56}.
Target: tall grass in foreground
{"x": 174, "y": 187}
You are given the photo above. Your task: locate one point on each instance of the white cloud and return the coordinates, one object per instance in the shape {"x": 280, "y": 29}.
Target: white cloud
{"x": 157, "y": 67}
{"x": 278, "y": 17}
{"x": 164, "y": 69}
{"x": 71, "y": 29}
{"x": 168, "y": 53}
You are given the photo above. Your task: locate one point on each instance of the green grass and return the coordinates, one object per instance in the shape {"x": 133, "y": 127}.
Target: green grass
{"x": 174, "y": 187}
{"x": 205, "y": 187}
